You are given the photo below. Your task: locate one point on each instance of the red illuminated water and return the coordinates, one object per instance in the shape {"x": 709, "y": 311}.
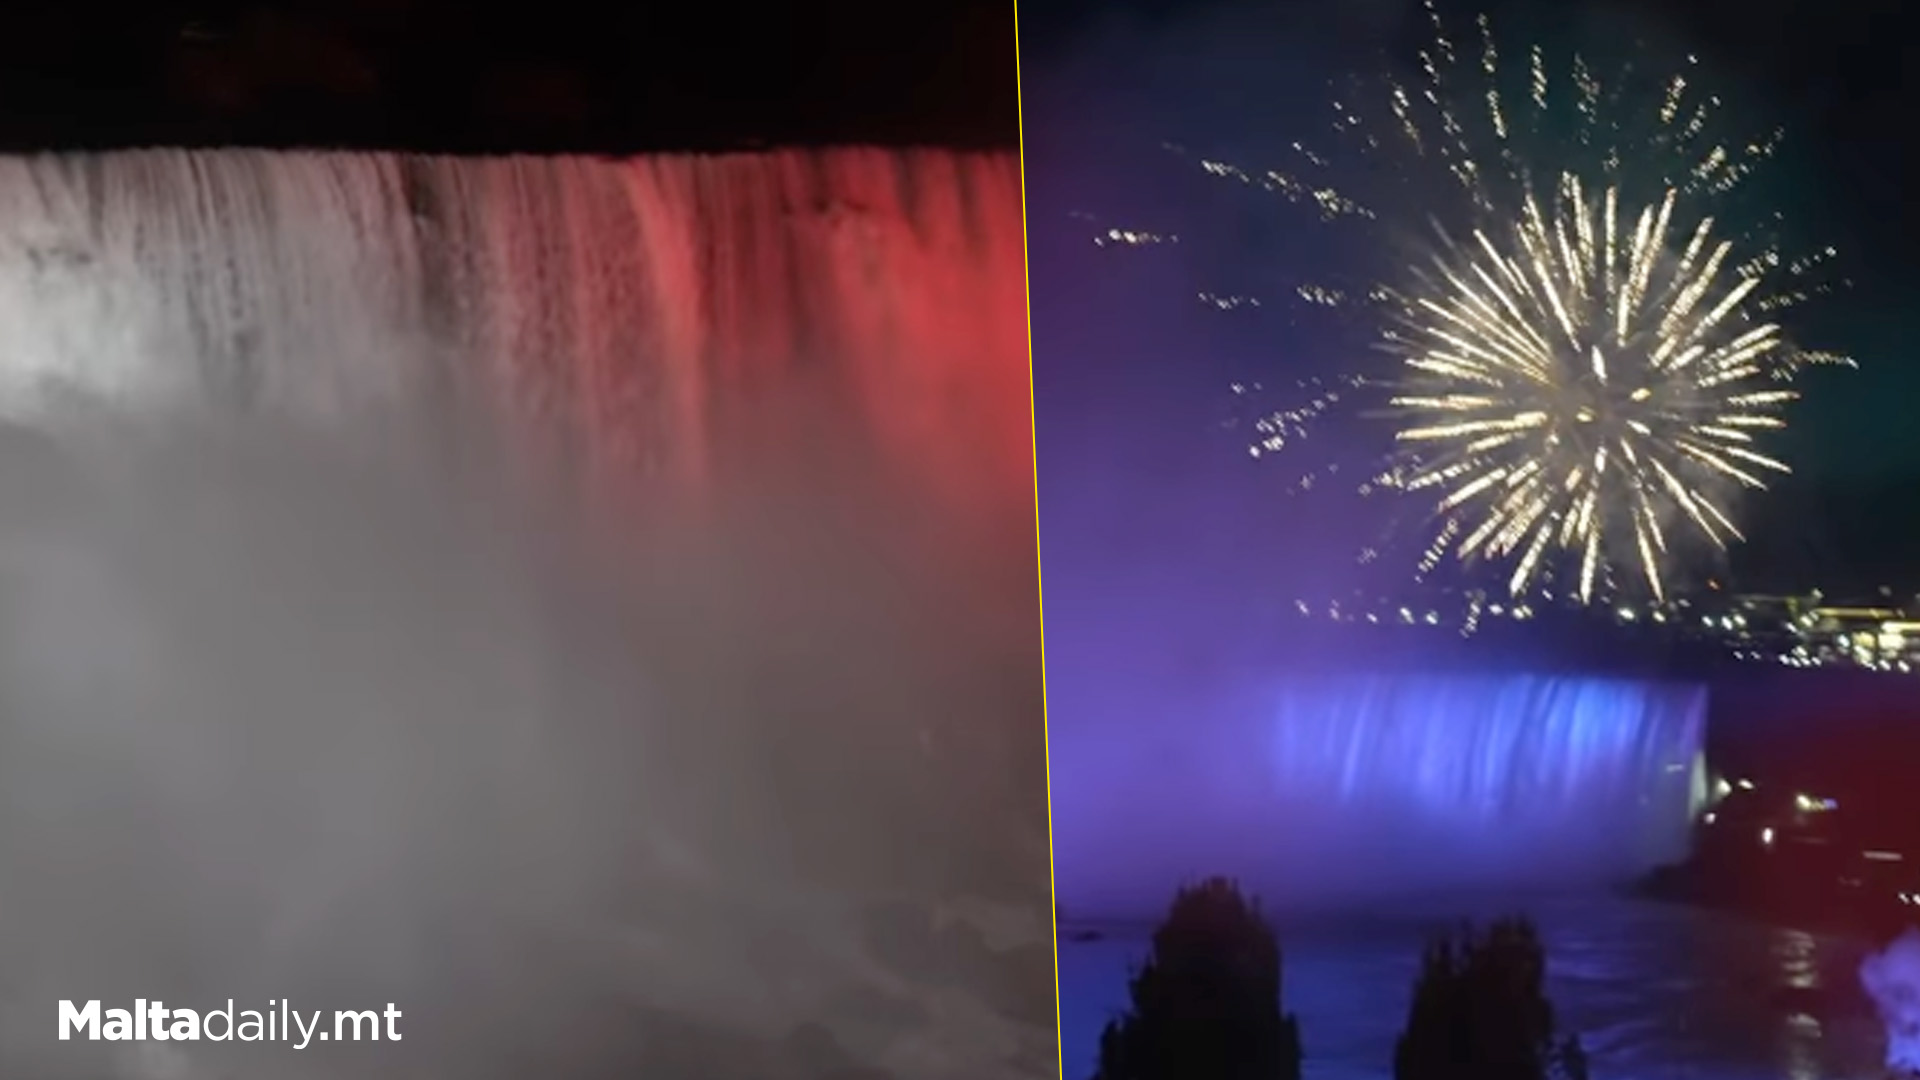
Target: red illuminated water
{"x": 790, "y": 722}
{"x": 642, "y": 313}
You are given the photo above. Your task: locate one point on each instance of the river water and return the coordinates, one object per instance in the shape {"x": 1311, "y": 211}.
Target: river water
{"x": 1653, "y": 990}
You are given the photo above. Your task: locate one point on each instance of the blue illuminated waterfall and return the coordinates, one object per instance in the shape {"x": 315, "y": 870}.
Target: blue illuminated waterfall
{"x": 1323, "y": 789}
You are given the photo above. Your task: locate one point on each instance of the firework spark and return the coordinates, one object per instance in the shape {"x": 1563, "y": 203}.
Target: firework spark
{"x": 1586, "y": 366}
{"x": 1583, "y": 386}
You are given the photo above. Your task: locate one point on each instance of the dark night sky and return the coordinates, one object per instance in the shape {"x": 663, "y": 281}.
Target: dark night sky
{"x": 1130, "y": 381}
{"x": 563, "y": 75}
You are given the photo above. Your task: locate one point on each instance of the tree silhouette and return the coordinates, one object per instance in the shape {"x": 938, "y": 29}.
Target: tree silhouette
{"x": 1206, "y": 1003}
{"x": 1480, "y": 1012}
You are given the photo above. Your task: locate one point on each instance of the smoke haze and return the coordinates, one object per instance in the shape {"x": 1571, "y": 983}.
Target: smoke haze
{"x": 1892, "y": 979}
{"x": 329, "y": 714}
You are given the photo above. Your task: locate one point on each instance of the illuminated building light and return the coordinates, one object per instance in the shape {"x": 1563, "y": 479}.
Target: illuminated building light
{"x": 1766, "y": 836}
{"x": 1132, "y": 238}
{"x": 1883, "y": 856}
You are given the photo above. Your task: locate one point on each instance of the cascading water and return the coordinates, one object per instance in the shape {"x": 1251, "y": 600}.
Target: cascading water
{"x": 600, "y": 760}
{"x": 641, "y": 311}
{"x": 1323, "y": 789}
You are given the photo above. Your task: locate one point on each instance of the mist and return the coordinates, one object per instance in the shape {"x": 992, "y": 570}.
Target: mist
{"x": 1892, "y": 979}
{"x": 334, "y": 713}
{"x": 1326, "y": 788}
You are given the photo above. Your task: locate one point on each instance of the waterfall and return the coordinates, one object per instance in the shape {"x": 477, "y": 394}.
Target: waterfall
{"x": 295, "y": 711}
{"x": 1320, "y": 789}
{"x": 635, "y": 311}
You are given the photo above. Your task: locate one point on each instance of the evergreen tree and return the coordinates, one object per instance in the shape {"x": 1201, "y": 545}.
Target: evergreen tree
{"x": 1480, "y": 1012}
{"x": 1206, "y": 1003}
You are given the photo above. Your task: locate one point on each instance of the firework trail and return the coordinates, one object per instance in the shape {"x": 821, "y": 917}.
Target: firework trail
{"x": 1579, "y": 319}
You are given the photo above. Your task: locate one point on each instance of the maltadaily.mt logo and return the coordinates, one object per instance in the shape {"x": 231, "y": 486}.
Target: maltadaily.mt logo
{"x": 278, "y": 1022}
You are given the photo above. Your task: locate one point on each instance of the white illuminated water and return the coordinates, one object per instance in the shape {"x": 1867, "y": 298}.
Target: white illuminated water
{"x": 566, "y": 598}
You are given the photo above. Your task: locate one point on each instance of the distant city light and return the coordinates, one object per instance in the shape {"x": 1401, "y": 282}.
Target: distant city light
{"x": 1794, "y": 631}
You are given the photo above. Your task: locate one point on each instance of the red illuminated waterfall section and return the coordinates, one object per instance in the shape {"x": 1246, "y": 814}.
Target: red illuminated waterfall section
{"x": 650, "y": 314}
